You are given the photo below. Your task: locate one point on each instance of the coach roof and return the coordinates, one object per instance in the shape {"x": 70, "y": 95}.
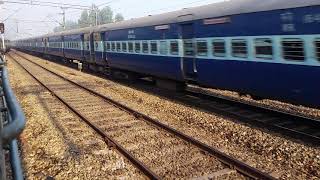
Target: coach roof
{"x": 219, "y": 9}
{"x": 212, "y": 10}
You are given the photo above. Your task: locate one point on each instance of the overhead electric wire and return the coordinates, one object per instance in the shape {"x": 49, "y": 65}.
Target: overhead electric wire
{"x": 47, "y": 5}
{"x": 16, "y": 11}
{"x": 32, "y": 21}
{"x": 107, "y": 3}
{"x": 56, "y": 3}
{"x": 177, "y": 6}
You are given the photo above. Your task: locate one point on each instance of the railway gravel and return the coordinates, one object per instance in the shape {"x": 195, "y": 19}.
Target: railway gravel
{"x": 56, "y": 144}
{"x": 165, "y": 154}
{"x": 295, "y": 109}
{"x": 262, "y": 149}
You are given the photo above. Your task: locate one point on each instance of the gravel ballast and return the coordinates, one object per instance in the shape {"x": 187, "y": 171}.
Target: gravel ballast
{"x": 267, "y": 151}
{"x": 56, "y": 143}
{"x": 167, "y": 155}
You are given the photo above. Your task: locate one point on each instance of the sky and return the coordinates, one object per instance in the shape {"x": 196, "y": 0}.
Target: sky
{"x": 31, "y": 20}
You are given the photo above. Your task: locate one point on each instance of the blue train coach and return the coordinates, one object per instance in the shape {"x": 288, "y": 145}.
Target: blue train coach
{"x": 268, "y": 49}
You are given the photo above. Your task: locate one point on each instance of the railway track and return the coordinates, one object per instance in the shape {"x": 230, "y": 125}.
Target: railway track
{"x": 302, "y": 128}
{"x": 158, "y": 150}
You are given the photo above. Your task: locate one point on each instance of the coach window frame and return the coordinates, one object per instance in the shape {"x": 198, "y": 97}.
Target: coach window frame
{"x": 189, "y": 51}
{"x": 152, "y": 50}
{"x": 131, "y": 47}
{"x": 137, "y": 49}
{"x": 124, "y": 45}
{"x": 215, "y": 49}
{"x": 113, "y": 46}
{"x": 118, "y": 46}
{"x": 263, "y": 56}
{"x": 317, "y": 48}
{"x": 108, "y": 46}
{"x": 163, "y": 47}
{"x": 198, "y": 45}
{"x": 286, "y": 57}
{"x": 174, "y": 47}
{"x": 239, "y": 53}
{"x": 145, "y": 47}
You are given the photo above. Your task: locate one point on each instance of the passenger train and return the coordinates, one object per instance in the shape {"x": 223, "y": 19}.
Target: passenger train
{"x": 268, "y": 49}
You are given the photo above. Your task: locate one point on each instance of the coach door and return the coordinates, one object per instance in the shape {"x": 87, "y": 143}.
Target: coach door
{"x": 88, "y": 48}
{"x": 187, "y": 35}
{"x": 46, "y": 45}
{"x": 91, "y": 44}
{"x": 62, "y": 46}
{"x": 98, "y": 47}
{"x": 189, "y": 64}
{"x": 82, "y": 46}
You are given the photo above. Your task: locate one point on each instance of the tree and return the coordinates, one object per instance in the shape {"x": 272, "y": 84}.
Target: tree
{"x": 106, "y": 15}
{"x": 84, "y": 20}
{"x": 92, "y": 17}
{"x": 93, "y": 14}
{"x": 69, "y": 25}
{"x": 119, "y": 17}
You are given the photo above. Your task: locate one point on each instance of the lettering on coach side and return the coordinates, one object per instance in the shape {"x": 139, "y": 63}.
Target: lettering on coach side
{"x": 131, "y": 34}
{"x": 287, "y": 20}
{"x": 288, "y": 27}
{"x": 311, "y": 18}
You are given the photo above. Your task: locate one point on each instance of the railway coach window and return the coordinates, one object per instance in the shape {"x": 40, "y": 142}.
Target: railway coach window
{"x": 124, "y": 47}
{"x": 202, "y": 48}
{"x": 293, "y": 49}
{"x": 317, "y": 45}
{"x": 174, "y": 48}
{"x": 239, "y": 48}
{"x": 154, "y": 47}
{"x": 130, "y": 46}
{"x": 219, "y": 48}
{"x": 118, "y": 46}
{"x": 137, "y": 46}
{"x": 108, "y": 46}
{"x": 163, "y": 47}
{"x": 113, "y": 46}
{"x": 145, "y": 47}
{"x": 263, "y": 48}
{"x": 188, "y": 48}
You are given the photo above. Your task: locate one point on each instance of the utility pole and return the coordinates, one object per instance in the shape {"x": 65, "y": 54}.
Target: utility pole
{"x": 96, "y": 12}
{"x": 96, "y": 16}
{"x": 63, "y": 17}
{"x": 17, "y": 23}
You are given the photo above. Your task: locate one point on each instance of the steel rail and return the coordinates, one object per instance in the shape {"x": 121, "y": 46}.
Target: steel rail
{"x": 286, "y": 123}
{"x": 109, "y": 141}
{"x": 233, "y": 163}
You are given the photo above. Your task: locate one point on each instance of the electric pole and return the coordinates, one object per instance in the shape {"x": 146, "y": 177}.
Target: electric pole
{"x": 63, "y": 17}
{"x": 96, "y": 16}
{"x": 17, "y": 23}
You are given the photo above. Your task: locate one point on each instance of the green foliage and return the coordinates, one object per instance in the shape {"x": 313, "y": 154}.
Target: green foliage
{"x": 69, "y": 25}
{"x": 119, "y": 17}
{"x": 106, "y": 15}
{"x": 91, "y": 17}
{"x": 84, "y": 19}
